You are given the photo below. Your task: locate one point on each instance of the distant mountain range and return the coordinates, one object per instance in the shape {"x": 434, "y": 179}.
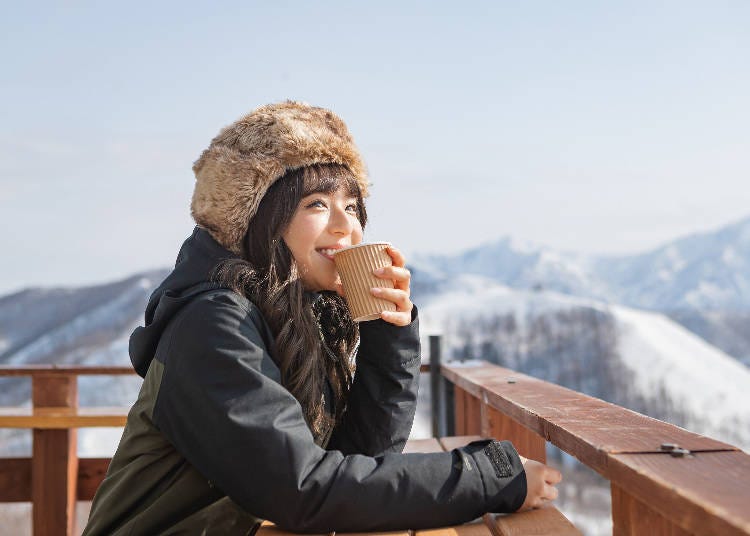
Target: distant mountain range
{"x": 612, "y": 327}
{"x": 701, "y": 281}
{"x": 72, "y": 325}
{"x": 707, "y": 271}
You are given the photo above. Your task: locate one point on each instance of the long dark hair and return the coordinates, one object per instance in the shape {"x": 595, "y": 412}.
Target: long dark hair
{"x": 314, "y": 332}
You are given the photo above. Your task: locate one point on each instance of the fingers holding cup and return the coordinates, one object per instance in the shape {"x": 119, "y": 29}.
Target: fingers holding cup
{"x": 400, "y": 275}
{"x": 395, "y": 295}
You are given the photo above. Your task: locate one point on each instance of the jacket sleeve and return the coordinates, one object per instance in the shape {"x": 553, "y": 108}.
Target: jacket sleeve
{"x": 247, "y": 436}
{"x": 383, "y": 397}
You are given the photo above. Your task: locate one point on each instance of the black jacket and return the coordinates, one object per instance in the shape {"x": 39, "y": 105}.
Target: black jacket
{"x": 215, "y": 443}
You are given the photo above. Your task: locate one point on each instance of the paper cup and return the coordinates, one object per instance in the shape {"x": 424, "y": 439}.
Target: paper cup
{"x": 355, "y": 265}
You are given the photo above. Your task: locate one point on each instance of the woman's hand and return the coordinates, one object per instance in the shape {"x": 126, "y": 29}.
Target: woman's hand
{"x": 400, "y": 293}
{"x": 540, "y": 484}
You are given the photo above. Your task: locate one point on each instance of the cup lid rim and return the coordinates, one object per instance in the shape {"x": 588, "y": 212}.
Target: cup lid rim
{"x": 377, "y": 243}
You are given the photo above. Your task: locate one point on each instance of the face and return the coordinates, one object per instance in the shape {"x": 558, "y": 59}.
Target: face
{"x": 322, "y": 223}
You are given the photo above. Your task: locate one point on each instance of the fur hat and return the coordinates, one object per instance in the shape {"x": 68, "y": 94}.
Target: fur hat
{"x": 248, "y": 156}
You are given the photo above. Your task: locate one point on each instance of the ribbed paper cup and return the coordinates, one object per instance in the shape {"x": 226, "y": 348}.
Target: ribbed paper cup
{"x": 355, "y": 266}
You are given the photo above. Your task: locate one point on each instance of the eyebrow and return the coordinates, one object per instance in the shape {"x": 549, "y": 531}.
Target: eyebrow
{"x": 349, "y": 195}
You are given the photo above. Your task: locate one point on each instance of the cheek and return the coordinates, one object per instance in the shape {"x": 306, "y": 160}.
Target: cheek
{"x": 357, "y": 234}
{"x": 300, "y": 234}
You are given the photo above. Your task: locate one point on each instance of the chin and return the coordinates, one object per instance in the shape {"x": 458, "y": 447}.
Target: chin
{"x": 321, "y": 286}
{"x": 330, "y": 288}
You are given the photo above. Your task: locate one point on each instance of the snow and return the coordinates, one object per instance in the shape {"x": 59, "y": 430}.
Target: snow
{"x": 705, "y": 294}
{"x": 730, "y": 256}
{"x": 674, "y": 258}
{"x": 471, "y": 294}
{"x": 522, "y": 245}
{"x": 698, "y": 377}
{"x": 689, "y": 272}
{"x": 712, "y": 387}
{"x": 665, "y": 275}
{"x": 98, "y": 442}
{"x": 145, "y": 283}
{"x": 743, "y": 233}
{"x": 69, "y": 332}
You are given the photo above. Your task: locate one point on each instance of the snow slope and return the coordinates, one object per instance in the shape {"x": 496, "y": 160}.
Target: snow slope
{"x": 711, "y": 387}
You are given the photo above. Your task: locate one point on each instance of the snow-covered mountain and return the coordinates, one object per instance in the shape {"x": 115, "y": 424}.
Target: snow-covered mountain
{"x": 701, "y": 281}
{"x": 702, "y": 271}
{"x": 635, "y": 358}
{"x": 85, "y": 325}
{"x": 728, "y": 330}
{"x": 72, "y": 325}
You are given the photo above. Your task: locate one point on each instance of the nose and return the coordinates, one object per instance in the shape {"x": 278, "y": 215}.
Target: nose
{"x": 339, "y": 222}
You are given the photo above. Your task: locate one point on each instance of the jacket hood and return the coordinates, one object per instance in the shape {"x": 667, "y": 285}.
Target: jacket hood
{"x": 198, "y": 256}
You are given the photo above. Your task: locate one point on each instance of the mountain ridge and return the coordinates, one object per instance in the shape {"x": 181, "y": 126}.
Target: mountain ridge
{"x": 708, "y": 270}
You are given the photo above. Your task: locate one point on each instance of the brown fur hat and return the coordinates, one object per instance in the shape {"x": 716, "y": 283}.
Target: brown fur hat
{"x": 245, "y": 158}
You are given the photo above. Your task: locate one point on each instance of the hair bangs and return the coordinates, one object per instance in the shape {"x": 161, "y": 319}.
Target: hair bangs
{"x": 328, "y": 178}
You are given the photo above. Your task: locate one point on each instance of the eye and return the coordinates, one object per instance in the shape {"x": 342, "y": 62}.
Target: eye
{"x": 316, "y": 203}
{"x": 352, "y": 207}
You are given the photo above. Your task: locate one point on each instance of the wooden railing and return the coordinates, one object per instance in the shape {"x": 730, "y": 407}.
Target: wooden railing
{"x": 664, "y": 480}
{"x": 54, "y": 478}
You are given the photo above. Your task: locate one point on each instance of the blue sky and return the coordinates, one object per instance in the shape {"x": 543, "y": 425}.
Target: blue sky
{"x": 602, "y": 127}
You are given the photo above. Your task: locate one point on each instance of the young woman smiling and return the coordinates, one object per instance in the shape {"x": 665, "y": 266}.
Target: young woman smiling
{"x": 262, "y": 399}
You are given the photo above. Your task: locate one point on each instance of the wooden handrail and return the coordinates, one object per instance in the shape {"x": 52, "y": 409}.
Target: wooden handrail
{"x": 54, "y": 477}
{"x": 65, "y": 370}
{"x": 702, "y": 488}
{"x": 653, "y": 492}
{"x": 53, "y": 418}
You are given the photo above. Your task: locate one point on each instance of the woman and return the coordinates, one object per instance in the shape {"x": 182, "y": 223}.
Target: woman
{"x": 252, "y": 407}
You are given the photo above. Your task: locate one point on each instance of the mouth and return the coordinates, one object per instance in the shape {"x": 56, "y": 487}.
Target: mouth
{"x": 328, "y": 252}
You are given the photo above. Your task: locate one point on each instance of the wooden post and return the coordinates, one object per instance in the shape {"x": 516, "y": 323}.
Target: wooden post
{"x": 473, "y": 416}
{"x": 441, "y": 392}
{"x": 499, "y": 426}
{"x": 436, "y": 393}
{"x": 468, "y": 413}
{"x": 460, "y": 400}
{"x": 450, "y": 406}
{"x": 54, "y": 466}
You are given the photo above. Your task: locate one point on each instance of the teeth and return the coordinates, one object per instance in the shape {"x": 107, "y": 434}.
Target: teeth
{"x": 328, "y": 252}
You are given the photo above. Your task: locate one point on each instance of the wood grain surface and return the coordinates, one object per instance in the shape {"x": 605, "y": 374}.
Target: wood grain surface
{"x": 631, "y": 517}
{"x": 542, "y": 521}
{"x": 705, "y": 493}
{"x": 583, "y": 426}
{"x": 54, "y": 461}
{"x": 476, "y": 528}
{"x": 75, "y": 370}
{"x": 50, "y": 418}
